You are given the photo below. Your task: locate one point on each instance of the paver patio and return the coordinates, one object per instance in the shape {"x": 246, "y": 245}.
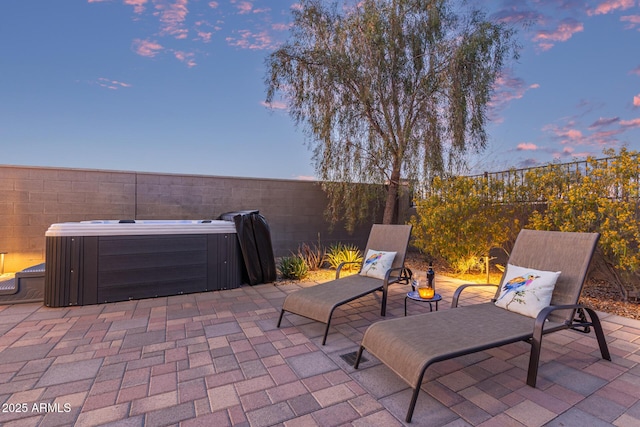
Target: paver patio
{"x": 217, "y": 358}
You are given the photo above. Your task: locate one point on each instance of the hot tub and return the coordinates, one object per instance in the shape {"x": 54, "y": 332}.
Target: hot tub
{"x": 93, "y": 262}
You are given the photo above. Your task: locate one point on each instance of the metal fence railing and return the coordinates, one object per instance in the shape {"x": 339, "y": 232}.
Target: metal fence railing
{"x": 570, "y": 173}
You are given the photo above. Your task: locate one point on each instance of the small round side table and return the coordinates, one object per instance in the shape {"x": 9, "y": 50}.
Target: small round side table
{"x": 413, "y": 295}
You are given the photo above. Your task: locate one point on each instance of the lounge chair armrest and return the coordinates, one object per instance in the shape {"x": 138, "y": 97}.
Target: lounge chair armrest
{"x": 404, "y": 274}
{"x": 456, "y": 294}
{"x": 574, "y": 323}
{"x": 342, "y": 264}
{"x": 546, "y": 312}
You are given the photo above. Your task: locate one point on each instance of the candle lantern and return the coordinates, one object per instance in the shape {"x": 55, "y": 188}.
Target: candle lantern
{"x": 426, "y": 291}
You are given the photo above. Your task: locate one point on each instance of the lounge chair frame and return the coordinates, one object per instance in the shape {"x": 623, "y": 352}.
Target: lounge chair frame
{"x": 320, "y": 301}
{"x": 504, "y": 327}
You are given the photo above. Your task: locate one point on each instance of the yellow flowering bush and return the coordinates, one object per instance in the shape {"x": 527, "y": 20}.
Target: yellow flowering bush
{"x": 603, "y": 199}
{"x": 460, "y": 220}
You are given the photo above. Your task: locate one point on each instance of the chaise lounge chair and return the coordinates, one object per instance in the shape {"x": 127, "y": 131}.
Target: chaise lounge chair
{"x": 409, "y": 345}
{"x": 319, "y": 302}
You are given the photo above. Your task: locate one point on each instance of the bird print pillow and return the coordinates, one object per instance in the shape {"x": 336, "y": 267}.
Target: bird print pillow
{"x": 376, "y": 263}
{"x": 525, "y": 290}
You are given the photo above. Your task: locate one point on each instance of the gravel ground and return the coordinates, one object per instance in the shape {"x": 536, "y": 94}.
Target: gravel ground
{"x": 603, "y": 297}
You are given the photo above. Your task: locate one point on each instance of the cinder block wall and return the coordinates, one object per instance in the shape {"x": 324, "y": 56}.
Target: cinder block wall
{"x": 32, "y": 198}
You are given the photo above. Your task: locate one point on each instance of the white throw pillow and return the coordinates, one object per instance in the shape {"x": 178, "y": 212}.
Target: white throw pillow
{"x": 526, "y": 291}
{"x": 376, "y": 263}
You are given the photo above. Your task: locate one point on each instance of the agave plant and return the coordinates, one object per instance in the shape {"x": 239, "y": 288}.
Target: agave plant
{"x": 293, "y": 267}
{"x": 339, "y": 253}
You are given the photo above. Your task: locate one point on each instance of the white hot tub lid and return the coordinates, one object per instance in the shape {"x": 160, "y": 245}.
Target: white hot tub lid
{"x": 139, "y": 228}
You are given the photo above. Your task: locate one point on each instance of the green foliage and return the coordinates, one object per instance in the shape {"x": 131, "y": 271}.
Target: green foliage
{"x": 339, "y": 253}
{"x": 461, "y": 220}
{"x": 604, "y": 200}
{"x": 293, "y": 267}
{"x": 387, "y": 91}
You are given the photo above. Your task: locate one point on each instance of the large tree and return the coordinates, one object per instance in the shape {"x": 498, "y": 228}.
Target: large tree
{"x": 389, "y": 91}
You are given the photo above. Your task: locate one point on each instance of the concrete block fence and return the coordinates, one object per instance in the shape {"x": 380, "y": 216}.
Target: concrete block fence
{"x": 32, "y": 198}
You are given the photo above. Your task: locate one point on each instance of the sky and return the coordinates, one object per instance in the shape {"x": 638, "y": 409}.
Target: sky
{"x": 177, "y": 86}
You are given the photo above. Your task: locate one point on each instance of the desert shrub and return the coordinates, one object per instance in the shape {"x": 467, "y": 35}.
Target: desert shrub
{"x": 339, "y": 253}
{"x": 462, "y": 219}
{"x": 293, "y": 267}
{"x": 602, "y": 198}
{"x": 313, "y": 255}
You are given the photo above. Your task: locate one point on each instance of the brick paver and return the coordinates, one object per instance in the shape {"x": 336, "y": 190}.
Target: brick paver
{"x": 218, "y": 359}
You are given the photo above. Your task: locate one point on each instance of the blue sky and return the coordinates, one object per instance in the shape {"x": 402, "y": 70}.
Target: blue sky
{"x": 177, "y": 85}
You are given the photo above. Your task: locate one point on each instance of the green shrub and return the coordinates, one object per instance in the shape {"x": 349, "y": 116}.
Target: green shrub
{"x": 462, "y": 219}
{"x": 604, "y": 200}
{"x": 293, "y": 267}
{"x": 339, "y": 253}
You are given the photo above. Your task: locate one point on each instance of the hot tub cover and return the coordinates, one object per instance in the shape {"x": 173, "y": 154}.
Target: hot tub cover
{"x": 254, "y": 237}
{"x": 139, "y": 227}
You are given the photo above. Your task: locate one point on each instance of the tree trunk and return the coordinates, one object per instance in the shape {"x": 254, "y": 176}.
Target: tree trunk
{"x": 601, "y": 269}
{"x": 392, "y": 198}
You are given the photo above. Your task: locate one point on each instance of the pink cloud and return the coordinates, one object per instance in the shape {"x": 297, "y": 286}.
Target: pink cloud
{"x": 609, "y": 6}
{"x": 573, "y": 134}
{"x": 204, "y": 36}
{"x": 604, "y": 131}
{"x": 635, "y": 71}
{"x": 514, "y": 16}
{"x": 607, "y": 137}
{"x": 186, "y": 57}
{"x": 565, "y": 30}
{"x": 633, "y": 20}
{"x": 201, "y": 28}
{"x": 138, "y": 5}
{"x": 276, "y": 105}
{"x": 527, "y": 146}
{"x": 253, "y": 41}
{"x": 636, "y": 100}
{"x": 634, "y": 123}
{"x": 570, "y": 152}
{"x": 244, "y": 7}
{"x": 172, "y": 17}
{"x": 146, "y": 48}
{"x": 506, "y": 89}
{"x": 172, "y": 20}
{"x": 281, "y": 27}
{"x": 566, "y": 134}
{"x": 111, "y": 84}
